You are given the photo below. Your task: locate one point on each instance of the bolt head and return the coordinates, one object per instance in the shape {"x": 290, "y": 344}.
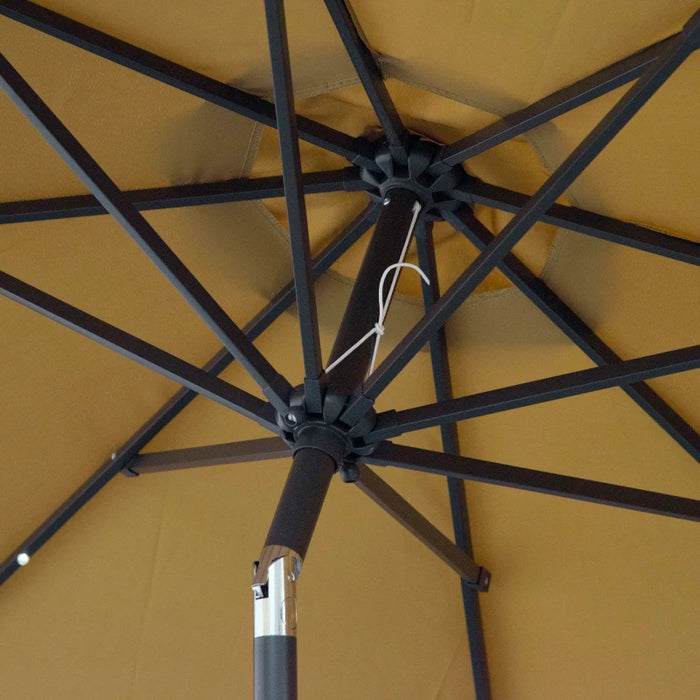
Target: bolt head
{"x": 291, "y": 418}
{"x": 386, "y": 201}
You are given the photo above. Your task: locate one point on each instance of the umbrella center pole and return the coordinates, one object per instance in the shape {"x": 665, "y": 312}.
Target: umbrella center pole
{"x": 322, "y": 445}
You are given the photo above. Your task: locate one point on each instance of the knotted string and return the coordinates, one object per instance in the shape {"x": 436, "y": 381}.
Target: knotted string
{"x": 378, "y": 328}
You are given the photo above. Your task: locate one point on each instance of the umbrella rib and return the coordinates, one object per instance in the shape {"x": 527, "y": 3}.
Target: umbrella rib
{"x": 418, "y": 525}
{"x": 577, "y": 330}
{"x": 274, "y": 386}
{"x": 545, "y": 196}
{"x": 190, "y": 195}
{"x": 369, "y": 72}
{"x": 209, "y": 455}
{"x": 442, "y": 379}
{"x": 177, "y": 76}
{"x": 139, "y": 350}
{"x": 294, "y": 197}
{"x": 178, "y": 402}
{"x": 390, "y": 454}
{"x": 586, "y": 222}
{"x": 392, "y": 423}
{"x": 554, "y": 105}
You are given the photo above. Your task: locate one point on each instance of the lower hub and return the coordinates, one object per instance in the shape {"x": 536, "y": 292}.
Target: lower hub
{"x": 324, "y": 431}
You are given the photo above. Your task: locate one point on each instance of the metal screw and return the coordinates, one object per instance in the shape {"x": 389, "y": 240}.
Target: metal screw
{"x": 291, "y": 418}
{"x": 386, "y": 201}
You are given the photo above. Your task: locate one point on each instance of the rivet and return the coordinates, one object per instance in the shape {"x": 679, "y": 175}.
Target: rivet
{"x": 291, "y": 418}
{"x": 386, "y": 201}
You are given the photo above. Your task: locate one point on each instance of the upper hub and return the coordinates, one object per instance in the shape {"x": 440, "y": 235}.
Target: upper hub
{"x": 413, "y": 168}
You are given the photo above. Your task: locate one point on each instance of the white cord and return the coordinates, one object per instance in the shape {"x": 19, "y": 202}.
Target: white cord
{"x": 384, "y": 305}
{"x": 378, "y": 328}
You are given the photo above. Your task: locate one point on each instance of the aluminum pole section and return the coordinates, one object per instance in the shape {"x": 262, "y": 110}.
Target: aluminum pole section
{"x": 275, "y": 645}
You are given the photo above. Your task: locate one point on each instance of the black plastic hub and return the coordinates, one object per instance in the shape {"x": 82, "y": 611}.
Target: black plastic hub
{"x": 324, "y": 431}
{"x": 416, "y": 171}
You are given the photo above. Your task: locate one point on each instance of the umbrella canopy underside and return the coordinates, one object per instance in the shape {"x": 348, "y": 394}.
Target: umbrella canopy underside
{"x": 145, "y": 593}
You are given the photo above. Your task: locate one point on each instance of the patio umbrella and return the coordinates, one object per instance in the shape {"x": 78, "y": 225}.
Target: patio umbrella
{"x": 537, "y": 163}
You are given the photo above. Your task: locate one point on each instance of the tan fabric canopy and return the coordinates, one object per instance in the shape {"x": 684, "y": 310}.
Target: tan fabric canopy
{"x": 145, "y": 593}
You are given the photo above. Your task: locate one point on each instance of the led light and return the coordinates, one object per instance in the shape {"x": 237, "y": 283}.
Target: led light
{"x": 22, "y": 558}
